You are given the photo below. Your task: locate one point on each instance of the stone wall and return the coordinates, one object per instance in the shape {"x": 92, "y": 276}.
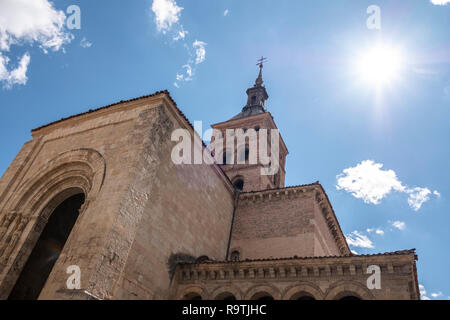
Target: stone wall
{"x": 282, "y": 223}
{"x": 188, "y": 212}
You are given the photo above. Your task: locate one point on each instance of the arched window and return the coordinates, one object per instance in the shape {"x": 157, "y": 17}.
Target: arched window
{"x": 192, "y": 296}
{"x": 226, "y": 296}
{"x": 262, "y": 296}
{"x": 239, "y": 184}
{"x": 257, "y": 128}
{"x": 235, "y": 255}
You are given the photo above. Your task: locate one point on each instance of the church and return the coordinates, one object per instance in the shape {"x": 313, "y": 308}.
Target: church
{"x": 94, "y": 208}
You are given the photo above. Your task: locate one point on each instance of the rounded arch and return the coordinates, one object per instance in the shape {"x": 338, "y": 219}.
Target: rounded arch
{"x": 260, "y": 291}
{"x": 31, "y": 204}
{"x": 81, "y": 168}
{"x": 236, "y": 249}
{"x": 304, "y": 289}
{"x": 343, "y": 289}
{"x": 191, "y": 292}
{"x": 235, "y": 256}
{"x": 238, "y": 182}
{"x": 224, "y": 292}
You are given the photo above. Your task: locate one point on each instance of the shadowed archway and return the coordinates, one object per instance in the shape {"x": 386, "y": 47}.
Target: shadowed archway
{"x": 47, "y": 249}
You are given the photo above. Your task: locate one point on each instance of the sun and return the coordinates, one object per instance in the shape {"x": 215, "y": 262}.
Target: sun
{"x": 380, "y": 65}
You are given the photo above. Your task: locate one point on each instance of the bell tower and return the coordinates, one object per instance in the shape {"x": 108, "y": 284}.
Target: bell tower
{"x": 244, "y": 174}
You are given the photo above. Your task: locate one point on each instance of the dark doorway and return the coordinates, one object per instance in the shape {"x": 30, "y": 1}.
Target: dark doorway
{"x": 47, "y": 250}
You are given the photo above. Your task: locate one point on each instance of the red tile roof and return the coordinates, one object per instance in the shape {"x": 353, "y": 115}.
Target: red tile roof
{"x": 393, "y": 253}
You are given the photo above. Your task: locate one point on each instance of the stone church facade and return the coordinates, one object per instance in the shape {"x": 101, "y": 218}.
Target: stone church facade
{"x": 99, "y": 191}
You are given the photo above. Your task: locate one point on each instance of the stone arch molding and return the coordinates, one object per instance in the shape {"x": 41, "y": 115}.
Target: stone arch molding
{"x": 82, "y": 168}
{"x": 263, "y": 289}
{"x": 231, "y": 289}
{"x": 192, "y": 290}
{"x": 71, "y": 172}
{"x": 303, "y": 289}
{"x": 348, "y": 288}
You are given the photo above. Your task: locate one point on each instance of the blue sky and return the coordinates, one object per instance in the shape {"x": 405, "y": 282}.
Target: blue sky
{"x": 391, "y": 139}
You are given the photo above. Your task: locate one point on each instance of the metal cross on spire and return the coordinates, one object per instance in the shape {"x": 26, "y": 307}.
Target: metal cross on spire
{"x": 259, "y": 81}
{"x": 261, "y": 62}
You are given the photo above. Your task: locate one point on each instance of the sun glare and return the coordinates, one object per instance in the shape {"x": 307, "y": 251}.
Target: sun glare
{"x": 380, "y": 65}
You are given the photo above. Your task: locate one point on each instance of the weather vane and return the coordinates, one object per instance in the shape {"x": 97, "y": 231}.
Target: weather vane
{"x": 261, "y": 62}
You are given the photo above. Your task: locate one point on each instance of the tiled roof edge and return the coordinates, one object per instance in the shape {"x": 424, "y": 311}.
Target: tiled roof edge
{"x": 393, "y": 253}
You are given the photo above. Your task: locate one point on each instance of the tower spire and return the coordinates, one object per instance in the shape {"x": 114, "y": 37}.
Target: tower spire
{"x": 256, "y": 96}
{"x": 259, "y": 81}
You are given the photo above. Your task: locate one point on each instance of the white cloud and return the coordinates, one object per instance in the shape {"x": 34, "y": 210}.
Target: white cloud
{"x": 440, "y": 2}
{"x": 369, "y": 182}
{"x": 377, "y": 231}
{"x": 180, "y": 34}
{"x": 400, "y": 225}
{"x": 417, "y": 197}
{"x": 85, "y": 43}
{"x": 354, "y": 252}
{"x": 167, "y": 19}
{"x": 225, "y": 13}
{"x": 187, "y": 76}
{"x": 17, "y": 75}
{"x": 423, "y": 293}
{"x": 28, "y": 22}
{"x": 32, "y": 21}
{"x": 167, "y": 13}
{"x": 436, "y": 294}
{"x": 189, "y": 72}
{"x": 436, "y": 193}
{"x": 200, "y": 51}
{"x": 356, "y": 239}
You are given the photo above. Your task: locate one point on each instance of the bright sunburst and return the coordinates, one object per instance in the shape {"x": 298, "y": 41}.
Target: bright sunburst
{"x": 380, "y": 65}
